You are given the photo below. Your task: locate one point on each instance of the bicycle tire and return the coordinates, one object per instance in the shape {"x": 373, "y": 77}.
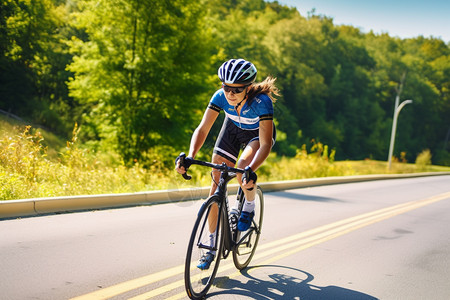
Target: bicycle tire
{"x": 198, "y": 282}
{"x": 248, "y": 240}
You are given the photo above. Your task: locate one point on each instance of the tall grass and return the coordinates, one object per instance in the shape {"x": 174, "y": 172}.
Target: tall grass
{"x": 28, "y": 171}
{"x": 317, "y": 163}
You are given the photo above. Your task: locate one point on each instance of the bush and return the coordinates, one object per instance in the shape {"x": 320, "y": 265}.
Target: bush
{"x": 423, "y": 160}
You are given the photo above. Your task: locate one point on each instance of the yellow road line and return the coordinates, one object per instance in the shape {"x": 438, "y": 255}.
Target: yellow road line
{"x": 298, "y": 242}
{"x": 131, "y": 284}
{"x": 360, "y": 221}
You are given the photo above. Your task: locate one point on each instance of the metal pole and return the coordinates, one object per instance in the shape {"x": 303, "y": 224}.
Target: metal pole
{"x": 397, "y": 110}
{"x": 394, "y": 128}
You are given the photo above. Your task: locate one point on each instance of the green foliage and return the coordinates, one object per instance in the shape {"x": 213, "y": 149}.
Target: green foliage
{"x": 33, "y": 57}
{"x": 137, "y": 76}
{"x": 143, "y": 63}
{"x": 319, "y": 162}
{"x": 20, "y": 163}
{"x": 423, "y": 160}
{"x": 27, "y": 172}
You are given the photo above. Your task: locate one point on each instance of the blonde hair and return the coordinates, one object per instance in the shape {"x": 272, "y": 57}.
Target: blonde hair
{"x": 267, "y": 87}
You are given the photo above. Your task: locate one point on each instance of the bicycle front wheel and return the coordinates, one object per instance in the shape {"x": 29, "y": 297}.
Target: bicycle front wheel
{"x": 198, "y": 280}
{"x": 248, "y": 240}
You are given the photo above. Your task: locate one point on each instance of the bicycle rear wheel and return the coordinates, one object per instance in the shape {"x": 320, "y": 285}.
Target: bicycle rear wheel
{"x": 197, "y": 281}
{"x": 248, "y": 240}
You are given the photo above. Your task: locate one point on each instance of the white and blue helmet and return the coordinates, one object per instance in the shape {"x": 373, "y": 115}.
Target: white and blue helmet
{"x": 237, "y": 71}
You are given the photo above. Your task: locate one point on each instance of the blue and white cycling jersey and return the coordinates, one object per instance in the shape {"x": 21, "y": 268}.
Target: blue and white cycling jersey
{"x": 257, "y": 109}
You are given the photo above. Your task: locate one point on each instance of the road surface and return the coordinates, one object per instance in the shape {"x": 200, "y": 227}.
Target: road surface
{"x": 386, "y": 239}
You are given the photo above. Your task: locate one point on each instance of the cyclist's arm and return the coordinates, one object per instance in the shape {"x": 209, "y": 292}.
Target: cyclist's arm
{"x": 201, "y": 132}
{"x": 265, "y": 144}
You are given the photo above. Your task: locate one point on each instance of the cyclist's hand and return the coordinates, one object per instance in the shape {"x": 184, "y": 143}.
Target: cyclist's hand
{"x": 182, "y": 164}
{"x": 180, "y": 169}
{"x": 249, "y": 179}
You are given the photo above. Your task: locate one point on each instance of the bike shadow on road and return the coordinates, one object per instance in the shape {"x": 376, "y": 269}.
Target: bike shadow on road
{"x": 281, "y": 282}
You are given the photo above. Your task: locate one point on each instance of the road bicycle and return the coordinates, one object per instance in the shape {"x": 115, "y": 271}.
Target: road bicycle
{"x": 214, "y": 215}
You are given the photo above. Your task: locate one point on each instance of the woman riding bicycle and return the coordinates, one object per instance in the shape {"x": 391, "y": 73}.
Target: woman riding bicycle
{"x": 248, "y": 108}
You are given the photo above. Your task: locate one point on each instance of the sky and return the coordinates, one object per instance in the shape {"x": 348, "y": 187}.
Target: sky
{"x": 398, "y": 18}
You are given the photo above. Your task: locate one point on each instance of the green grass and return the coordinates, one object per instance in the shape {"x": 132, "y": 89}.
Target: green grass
{"x": 366, "y": 167}
{"x": 32, "y": 166}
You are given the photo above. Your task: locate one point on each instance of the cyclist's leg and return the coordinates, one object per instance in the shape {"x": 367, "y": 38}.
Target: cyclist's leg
{"x": 246, "y": 157}
{"x": 212, "y": 218}
{"x": 226, "y": 150}
{"x": 201, "y": 264}
{"x": 218, "y": 159}
{"x": 213, "y": 215}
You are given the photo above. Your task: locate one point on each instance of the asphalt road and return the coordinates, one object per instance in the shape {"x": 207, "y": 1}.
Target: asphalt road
{"x": 387, "y": 239}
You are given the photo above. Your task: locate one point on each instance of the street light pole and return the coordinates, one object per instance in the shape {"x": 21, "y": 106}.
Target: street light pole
{"x": 397, "y": 110}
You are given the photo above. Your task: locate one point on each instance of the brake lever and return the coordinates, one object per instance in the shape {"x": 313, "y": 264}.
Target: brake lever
{"x": 247, "y": 173}
{"x": 182, "y": 164}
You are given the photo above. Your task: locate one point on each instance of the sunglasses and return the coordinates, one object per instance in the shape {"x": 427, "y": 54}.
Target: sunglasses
{"x": 234, "y": 90}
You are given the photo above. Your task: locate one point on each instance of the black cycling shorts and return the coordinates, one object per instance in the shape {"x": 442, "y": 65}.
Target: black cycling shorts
{"x": 232, "y": 138}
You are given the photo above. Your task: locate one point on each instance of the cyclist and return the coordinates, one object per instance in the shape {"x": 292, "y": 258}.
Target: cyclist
{"x": 248, "y": 122}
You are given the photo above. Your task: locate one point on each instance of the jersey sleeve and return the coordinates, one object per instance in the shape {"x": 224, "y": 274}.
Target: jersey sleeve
{"x": 265, "y": 107}
{"x": 216, "y": 102}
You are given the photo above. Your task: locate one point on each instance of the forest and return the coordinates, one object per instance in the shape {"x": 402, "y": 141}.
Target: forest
{"x": 135, "y": 76}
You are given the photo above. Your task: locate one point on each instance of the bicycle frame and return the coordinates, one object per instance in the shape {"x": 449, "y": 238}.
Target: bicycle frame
{"x": 214, "y": 216}
{"x": 221, "y": 192}
{"x": 226, "y": 175}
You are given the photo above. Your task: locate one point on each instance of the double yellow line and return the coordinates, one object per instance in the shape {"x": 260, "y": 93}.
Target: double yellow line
{"x": 273, "y": 251}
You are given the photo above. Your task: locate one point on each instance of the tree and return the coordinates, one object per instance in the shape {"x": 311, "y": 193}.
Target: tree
{"x": 141, "y": 67}
{"x": 33, "y": 60}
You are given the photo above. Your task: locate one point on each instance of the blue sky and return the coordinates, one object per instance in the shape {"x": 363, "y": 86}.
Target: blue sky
{"x": 401, "y": 18}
